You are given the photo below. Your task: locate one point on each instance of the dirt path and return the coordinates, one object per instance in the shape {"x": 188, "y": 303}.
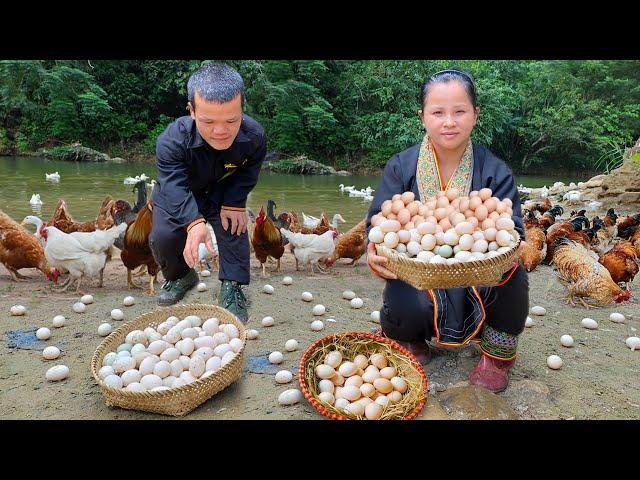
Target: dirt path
{"x": 599, "y": 379}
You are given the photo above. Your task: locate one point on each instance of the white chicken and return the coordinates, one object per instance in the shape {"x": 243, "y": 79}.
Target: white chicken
{"x": 309, "y": 249}
{"x": 79, "y": 253}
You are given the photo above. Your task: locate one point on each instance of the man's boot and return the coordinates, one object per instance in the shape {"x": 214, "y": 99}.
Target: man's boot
{"x": 232, "y": 298}
{"x": 174, "y": 290}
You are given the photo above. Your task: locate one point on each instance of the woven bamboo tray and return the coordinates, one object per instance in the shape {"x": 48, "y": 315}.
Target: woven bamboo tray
{"x": 180, "y": 400}
{"x": 426, "y": 276}
{"x": 350, "y": 344}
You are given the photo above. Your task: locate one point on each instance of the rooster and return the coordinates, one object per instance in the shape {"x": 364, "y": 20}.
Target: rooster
{"x": 571, "y": 229}
{"x": 544, "y": 206}
{"x": 80, "y": 253}
{"x": 352, "y": 245}
{"x": 135, "y": 249}
{"x": 20, "y": 249}
{"x": 266, "y": 241}
{"x": 628, "y": 225}
{"x": 620, "y": 261}
{"x": 579, "y": 271}
{"x": 535, "y": 248}
{"x": 309, "y": 249}
{"x": 549, "y": 217}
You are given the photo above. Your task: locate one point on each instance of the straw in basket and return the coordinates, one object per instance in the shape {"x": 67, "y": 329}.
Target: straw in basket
{"x": 351, "y": 344}
{"x": 180, "y": 400}
{"x": 426, "y": 276}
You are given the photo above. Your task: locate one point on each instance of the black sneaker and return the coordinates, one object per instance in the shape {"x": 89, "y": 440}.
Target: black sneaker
{"x": 233, "y": 299}
{"x": 174, "y": 290}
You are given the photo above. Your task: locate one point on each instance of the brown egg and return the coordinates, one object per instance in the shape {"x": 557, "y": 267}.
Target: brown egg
{"x": 485, "y": 193}
{"x": 422, "y": 210}
{"x": 386, "y": 207}
{"x": 508, "y": 202}
{"x": 439, "y": 237}
{"x": 490, "y": 234}
{"x": 404, "y": 216}
{"x": 481, "y": 213}
{"x": 392, "y": 216}
{"x": 445, "y": 224}
{"x": 474, "y": 193}
{"x": 440, "y": 213}
{"x": 440, "y": 194}
{"x": 404, "y": 236}
{"x": 414, "y": 208}
{"x": 431, "y": 204}
{"x": 408, "y": 197}
{"x": 417, "y": 219}
{"x": 467, "y": 213}
{"x": 505, "y": 215}
{"x": 439, "y": 228}
{"x": 456, "y": 217}
{"x": 377, "y": 219}
{"x": 473, "y": 221}
{"x": 442, "y": 202}
{"x": 488, "y": 223}
{"x": 474, "y": 203}
{"x": 463, "y": 204}
{"x": 397, "y": 196}
{"x": 397, "y": 206}
{"x": 509, "y": 211}
{"x": 410, "y": 225}
{"x": 452, "y": 193}
{"x": 431, "y": 218}
{"x": 501, "y": 207}
{"x": 491, "y": 204}
{"x": 494, "y": 216}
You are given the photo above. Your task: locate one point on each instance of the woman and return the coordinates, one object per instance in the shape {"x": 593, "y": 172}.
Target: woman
{"x": 493, "y": 316}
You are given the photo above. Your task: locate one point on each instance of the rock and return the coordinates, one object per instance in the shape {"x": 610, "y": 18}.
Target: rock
{"x": 433, "y": 411}
{"x": 300, "y": 165}
{"x": 343, "y": 173}
{"x": 475, "y": 403}
{"x": 76, "y": 153}
{"x": 531, "y": 399}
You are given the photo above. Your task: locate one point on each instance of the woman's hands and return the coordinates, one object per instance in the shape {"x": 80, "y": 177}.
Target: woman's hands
{"x": 377, "y": 263}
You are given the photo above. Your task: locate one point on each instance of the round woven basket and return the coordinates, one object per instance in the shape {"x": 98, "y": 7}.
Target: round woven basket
{"x": 425, "y": 276}
{"x": 351, "y": 344}
{"x": 180, "y": 400}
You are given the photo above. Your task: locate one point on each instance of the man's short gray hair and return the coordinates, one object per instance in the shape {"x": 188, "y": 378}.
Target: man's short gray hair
{"x": 215, "y": 82}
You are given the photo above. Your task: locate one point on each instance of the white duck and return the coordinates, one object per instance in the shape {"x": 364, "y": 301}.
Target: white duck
{"x": 52, "y": 177}
{"x": 312, "y": 222}
{"x": 346, "y": 189}
{"x": 572, "y": 196}
{"x": 35, "y": 199}
{"x": 37, "y": 221}
{"x": 136, "y": 179}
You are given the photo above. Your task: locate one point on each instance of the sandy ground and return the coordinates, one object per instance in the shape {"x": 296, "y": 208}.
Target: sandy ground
{"x": 599, "y": 379}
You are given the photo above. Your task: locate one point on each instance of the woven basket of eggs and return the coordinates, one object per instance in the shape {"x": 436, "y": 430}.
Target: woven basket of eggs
{"x": 358, "y": 376}
{"x": 448, "y": 241}
{"x": 176, "y": 359}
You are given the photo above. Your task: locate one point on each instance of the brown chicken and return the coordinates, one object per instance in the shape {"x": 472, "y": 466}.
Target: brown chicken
{"x": 544, "y": 206}
{"x": 571, "y": 230}
{"x": 64, "y": 222}
{"x": 628, "y": 225}
{"x": 535, "y": 248}
{"x": 621, "y": 262}
{"x": 352, "y": 245}
{"x": 549, "y": 217}
{"x": 296, "y": 227}
{"x": 135, "y": 249}
{"x": 530, "y": 219}
{"x": 579, "y": 271}
{"x": 266, "y": 241}
{"x": 19, "y": 249}
{"x": 635, "y": 241}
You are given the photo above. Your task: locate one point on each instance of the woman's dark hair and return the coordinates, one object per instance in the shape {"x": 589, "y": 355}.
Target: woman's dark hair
{"x": 446, "y": 76}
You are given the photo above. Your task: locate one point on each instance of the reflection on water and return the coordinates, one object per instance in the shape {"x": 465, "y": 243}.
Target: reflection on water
{"x": 84, "y": 185}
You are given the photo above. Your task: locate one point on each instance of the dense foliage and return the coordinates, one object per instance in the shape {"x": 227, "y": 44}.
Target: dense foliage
{"x": 567, "y": 114}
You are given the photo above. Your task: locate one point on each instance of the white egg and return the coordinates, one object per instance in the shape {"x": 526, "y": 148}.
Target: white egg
{"x": 220, "y": 338}
{"x": 130, "y": 376}
{"x": 211, "y": 325}
{"x": 325, "y": 371}
{"x": 151, "y": 381}
{"x": 136, "y": 336}
{"x": 128, "y": 301}
{"x": 236, "y": 344}
{"x": 87, "y": 299}
{"x": 105, "y": 372}
{"x": 276, "y": 357}
{"x": 104, "y": 329}
{"x": 268, "y": 321}
{"x": 189, "y": 332}
{"x": 355, "y": 408}
{"x": 157, "y": 347}
{"x": 205, "y": 273}
{"x": 170, "y": 354}
{"x": 566, "y": 341}
{"x": 117, "y": 314}
{"x": 43, "y": 333}
{"x": 162, "y": 369}
{"x": 414, "y": 248}
{"x": 351, "y": 393}
{"x": 186, "y": 346}
{"x": 326, "y": 386}
{"x": 18, "y": 310}
{"x": 373, "y": 411}
{"x": 287, "y": 281}
{"x": 306, "y": 296}
{"x": 173, "y": 335}
{"x": 213, "y": 364}
{"x": 179, "y": 382}
{"x": 227, "y": 357}
{"x": 327, "y": 397}
{"x": 123, "y": 364}
{"x": 589, "y": 323}
{"x": 206, "y": 353}
{"x": 252, "y": 334}
{"x": 58, "y": 321}
{"x": 375, "y": 316}
{"x": 168, "y": 381}
{"x": 176, "y": 368}
{"x": 376, "y": 235}
{"x": 152, "y": 335}
{"x": 291, "y": 345}
{"x": 317, "y": 325}
{"x": 187, "y": 377}
{"x": 633, "y": 343}
{"x": 425, "y": 256}
{"x": 109, "y": 358}
{"x": 124, "y": 346}
{"x": 554, "y": 362}
{"x": 348, "y": 369}
{"x": 205, "y": 341}
{"x": 113, "y": 381}
{"x": 284, "y": 376}
{"x": 231, "y": 331}
{"x": 79, "y": 307}
{"x": 51, "y": 353}
{"x": 182, "y": 324}
{"x": 341, "y": 403}
{"x": 172, "y": 320}
{"x": 348, "y": 295}
{"x": 537, "y": 310}
{"x": 451, "y": 237}
{"x": 197, "y": 366}
{"x": 357, "y": 303}
{"x": 617, "y": 318}
{"x": 290, "y": 397}
{"x": 319, "y": 310}
{"x": 202, "y": 287}
{"x": 529, "y": 322}
{"x": 503, "y": 238}
{"x": 147, "y": 364}
{"x": 333, "y": 359}
{"x": 268, "y": 289}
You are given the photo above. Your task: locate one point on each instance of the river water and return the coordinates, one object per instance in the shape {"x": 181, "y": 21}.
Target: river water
{"x": 84, "y": 184}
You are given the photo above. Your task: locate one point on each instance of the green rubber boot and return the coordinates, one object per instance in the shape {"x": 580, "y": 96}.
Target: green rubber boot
{"x": 233, "y": 299}
{"x": 174, "y": 290}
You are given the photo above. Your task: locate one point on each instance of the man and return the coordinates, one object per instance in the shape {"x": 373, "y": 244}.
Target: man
{"x": 208, "y": 163}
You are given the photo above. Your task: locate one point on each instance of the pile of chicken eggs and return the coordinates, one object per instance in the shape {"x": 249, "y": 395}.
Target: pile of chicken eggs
{"x": 446, "y": 228}
{"x": 362, "y": 387}
{"x": 176, "y": 353}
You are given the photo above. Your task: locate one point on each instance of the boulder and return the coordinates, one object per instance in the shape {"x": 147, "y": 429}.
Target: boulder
{"x": 76, "y": 153}
{"x": 470, "y": 402}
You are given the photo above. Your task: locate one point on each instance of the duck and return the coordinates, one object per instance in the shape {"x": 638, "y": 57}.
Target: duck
{"x": 346, "y": 189}
{"x": 35, "y": 199}
{"x": 136, "y": 179}
{"x": 37, "y": 221}
{"x": 572, "y": 196}
{"x": 52, "y": 177}
{"x": 368, "y": 198}
{"x": 312, "y": 222}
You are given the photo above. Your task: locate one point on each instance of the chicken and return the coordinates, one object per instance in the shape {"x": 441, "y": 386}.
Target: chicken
{"x": 352, "y": 245}
{"x": 628, "y": 225}
{"x": 621, "y": 262}
{"x": 295, "y": 227}
{"x": 530, "y": 219}
{"x": 80, "y": 253}
{"x": 64, "y": 222}
{"x": 266, "y": 241}
{"x": 282, "y": 221}
{"x": 20, "y": 249}
{"x": 544, "y": 206}
{"x": 579, "y": 271}
{"x": 309, "y": 249}
{"x": 535, "y": 248}
{"x": 635, "y": 241}
{"x": 312, "y": 222}
{"x": 136, "y": 250}
{"x": 573, "y": 231}
{"x": 549, "y": 217}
